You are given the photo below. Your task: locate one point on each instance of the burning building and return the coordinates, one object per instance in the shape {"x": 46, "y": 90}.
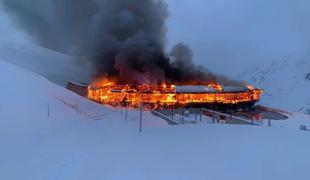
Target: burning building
{"x": 212, "y": 95}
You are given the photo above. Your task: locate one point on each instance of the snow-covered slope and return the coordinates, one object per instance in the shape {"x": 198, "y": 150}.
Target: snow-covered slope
{"x": 286, "y": 82}
{"x": 83, "y": 140}
{"x": 55, "y": 66}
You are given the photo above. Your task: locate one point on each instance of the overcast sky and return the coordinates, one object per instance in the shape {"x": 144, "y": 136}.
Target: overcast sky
{"x": 223, "y": 33}
{"x": 8, "y": 31}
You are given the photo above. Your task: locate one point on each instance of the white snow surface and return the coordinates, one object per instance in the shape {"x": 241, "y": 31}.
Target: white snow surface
{"x": 84, "y": 140}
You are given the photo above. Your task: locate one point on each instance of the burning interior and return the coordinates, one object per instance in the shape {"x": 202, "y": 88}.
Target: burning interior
{"x": 164, "y": 96}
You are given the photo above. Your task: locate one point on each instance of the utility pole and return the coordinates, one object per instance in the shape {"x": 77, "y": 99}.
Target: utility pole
{"x": 48, "y": 110}
{"x": 172, "y": 112}
{"x": 269, "y": 122}
{"x": 200, "y": 114}
{"x": 182, "y": 115}
{"x": 126, "y": 113}
{"x": 213, "y": 116}
{"x": 141, "y": 109}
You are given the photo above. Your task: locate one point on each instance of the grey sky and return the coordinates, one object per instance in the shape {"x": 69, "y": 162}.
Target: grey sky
{"x": 8, "y": 31}
{"x": 224, "y": 33}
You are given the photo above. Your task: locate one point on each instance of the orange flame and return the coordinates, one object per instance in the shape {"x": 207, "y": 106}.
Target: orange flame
{"x": 107, "y": 92}
{"x": 216, "y": 86}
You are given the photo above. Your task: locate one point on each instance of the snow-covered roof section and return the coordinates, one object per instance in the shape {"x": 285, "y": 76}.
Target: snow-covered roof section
{"x": 194, "y": 89}
{"x": 234, "y": 89}
{"x": 79, "y": 83}
{"x": 207, "y": 89}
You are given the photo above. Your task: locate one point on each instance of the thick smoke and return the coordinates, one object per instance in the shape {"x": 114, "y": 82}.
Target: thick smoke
{"x": 118, "y": 38}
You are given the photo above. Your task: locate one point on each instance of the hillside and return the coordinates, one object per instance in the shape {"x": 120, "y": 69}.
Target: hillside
{"x": 82, "y": 140}
{"x": 286, "y": 82}
{"x": 57, "y": 67}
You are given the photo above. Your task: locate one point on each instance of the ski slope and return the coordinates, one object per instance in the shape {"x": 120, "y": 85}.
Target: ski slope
{"x": 83, "y": 140}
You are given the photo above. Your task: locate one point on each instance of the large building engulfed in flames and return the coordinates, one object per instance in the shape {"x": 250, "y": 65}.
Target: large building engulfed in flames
{"x": 212, "y": 95}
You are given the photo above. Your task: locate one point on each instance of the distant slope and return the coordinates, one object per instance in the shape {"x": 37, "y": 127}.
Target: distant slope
{"x": 84, "y": 140}
{"x": 57, "y": 67}
{"x": 286, "y": 82}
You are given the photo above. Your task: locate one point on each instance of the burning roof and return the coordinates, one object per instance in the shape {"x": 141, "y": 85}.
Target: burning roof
{"x": 159, "y": 96}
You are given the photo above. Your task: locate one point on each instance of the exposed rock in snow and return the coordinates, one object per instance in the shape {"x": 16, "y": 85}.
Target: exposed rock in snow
{"x": 308, "y": 77}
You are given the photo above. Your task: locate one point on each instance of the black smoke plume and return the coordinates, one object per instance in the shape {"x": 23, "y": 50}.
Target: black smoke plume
{"x": 117, "y": 38}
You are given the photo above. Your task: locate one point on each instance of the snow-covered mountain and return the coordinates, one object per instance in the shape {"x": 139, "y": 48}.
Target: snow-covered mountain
{"x": 57, "y": 67}
{"x": 47, "y": 132}
{"x": 50, "y": 133}
{"x": 286, "y": 82}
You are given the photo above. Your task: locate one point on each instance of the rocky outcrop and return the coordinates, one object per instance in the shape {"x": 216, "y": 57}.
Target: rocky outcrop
{"x": 308, "y": 77}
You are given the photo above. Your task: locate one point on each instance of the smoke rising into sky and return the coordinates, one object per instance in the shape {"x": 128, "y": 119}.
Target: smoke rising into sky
{"x": 223, "y": 34}
{"x": 123, "y": 38}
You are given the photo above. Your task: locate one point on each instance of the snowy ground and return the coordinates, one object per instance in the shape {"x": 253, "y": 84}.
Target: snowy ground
{"x": 83, "y": 140}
